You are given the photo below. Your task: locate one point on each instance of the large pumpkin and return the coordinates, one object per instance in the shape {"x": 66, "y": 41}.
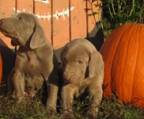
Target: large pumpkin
{"x": 123, "y": 54}
{"x": 7, "y": 61}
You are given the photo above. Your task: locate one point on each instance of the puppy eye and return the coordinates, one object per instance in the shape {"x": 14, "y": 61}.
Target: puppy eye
{"x": 80, "y": 61}
{"x": 20, "y": 18}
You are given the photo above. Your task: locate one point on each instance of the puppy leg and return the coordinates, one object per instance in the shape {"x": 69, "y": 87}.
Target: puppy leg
{"x": 68, "y": 93}
{"x": 52, "y": 97}
{"x": 19, "y": 85}
{"x": 95, "y": 90}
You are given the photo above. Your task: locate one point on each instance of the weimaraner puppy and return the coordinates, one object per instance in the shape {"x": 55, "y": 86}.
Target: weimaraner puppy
{"x": 34, "y": 57}
{"x": 83, "y": 68}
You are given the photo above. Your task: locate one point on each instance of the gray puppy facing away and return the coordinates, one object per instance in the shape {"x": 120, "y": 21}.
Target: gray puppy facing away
{"x": 83, "y": 68}
{"x": 34, "y": 57}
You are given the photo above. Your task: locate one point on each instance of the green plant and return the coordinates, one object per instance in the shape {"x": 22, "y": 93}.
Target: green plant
{"x": 117, "y": 12}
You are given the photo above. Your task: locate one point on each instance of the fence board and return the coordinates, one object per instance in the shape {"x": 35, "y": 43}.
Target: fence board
{"x": 58, "y": 26}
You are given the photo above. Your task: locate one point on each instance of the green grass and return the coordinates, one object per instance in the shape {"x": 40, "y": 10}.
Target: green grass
{"x": 112, "y": 109}
{"x": 109, "y": 109}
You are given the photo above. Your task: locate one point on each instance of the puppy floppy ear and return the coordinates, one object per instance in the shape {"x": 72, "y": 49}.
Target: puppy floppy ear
{"x": 95, "y": 65}
{"x": 38, "y": 39}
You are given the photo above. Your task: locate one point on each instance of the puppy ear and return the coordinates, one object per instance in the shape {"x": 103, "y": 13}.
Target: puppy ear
{"x": 37, "y": 39}
{"x": 95, "y": 66}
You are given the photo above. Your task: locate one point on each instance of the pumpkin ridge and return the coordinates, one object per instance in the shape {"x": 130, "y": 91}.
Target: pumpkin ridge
{"x": 126, "y": 93}
{"x": 134, "y": 74}
{"x": 137, "y": 99}
{"x": 125, "y": 27}
{"x": 135, "y": 27}
{"x": 107, "y": 82}
{"x": 107, "y": 85}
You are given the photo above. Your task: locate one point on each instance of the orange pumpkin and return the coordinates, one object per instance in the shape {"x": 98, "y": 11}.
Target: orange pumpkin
{"x": 123, "y": 54}
{"x": 7, "y": 61}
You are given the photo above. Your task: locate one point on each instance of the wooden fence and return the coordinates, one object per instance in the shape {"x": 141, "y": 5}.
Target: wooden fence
{"x": 62, "y": 20}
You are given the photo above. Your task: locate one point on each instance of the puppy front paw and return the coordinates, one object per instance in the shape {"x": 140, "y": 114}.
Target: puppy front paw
{"x": 68, "y": 115}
